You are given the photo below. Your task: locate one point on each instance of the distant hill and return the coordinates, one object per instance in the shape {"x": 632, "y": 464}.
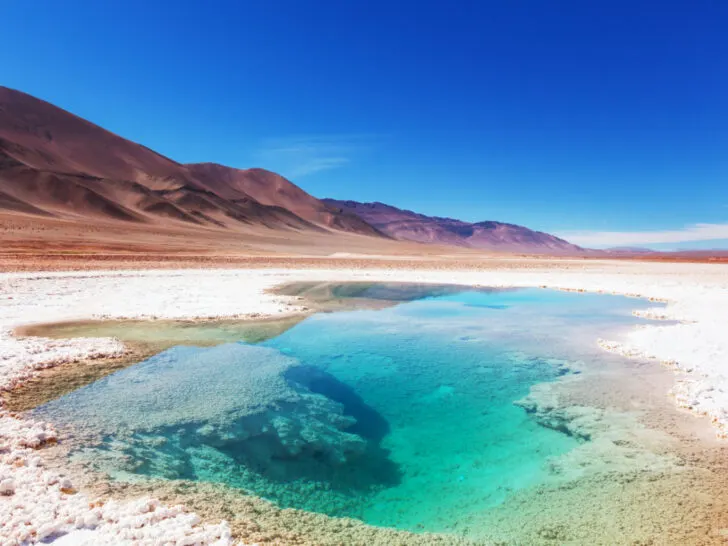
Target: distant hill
{"x": 56, "y": 164}
{"x": 271, "y": 189}
{"x": 630, "y": 249}
{"x": 488, "y": 235}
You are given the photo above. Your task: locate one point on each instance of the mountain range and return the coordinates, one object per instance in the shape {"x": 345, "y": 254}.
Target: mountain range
{"x": 406, "y": 225}
{"x": 56, "y": 165}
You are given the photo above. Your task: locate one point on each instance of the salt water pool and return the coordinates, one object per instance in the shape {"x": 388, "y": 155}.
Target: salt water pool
{"x": 401, "y": 416}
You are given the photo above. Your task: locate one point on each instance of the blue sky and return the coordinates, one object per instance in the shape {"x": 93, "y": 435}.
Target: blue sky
{"x": 599, "y": 121}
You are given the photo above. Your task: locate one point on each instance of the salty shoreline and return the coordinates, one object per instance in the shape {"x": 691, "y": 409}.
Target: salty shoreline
{"x": 697, "y": 296}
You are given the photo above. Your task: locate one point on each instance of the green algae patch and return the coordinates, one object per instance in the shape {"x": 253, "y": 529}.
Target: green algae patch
{"x": 162, "y": 334}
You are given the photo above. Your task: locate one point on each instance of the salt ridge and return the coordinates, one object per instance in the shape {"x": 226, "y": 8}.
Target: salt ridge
{"x": 37, "y": 503}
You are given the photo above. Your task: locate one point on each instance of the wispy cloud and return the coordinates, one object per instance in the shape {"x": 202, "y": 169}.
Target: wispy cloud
{"x": 691, "y": 233}
{"x": 299, "y": 156}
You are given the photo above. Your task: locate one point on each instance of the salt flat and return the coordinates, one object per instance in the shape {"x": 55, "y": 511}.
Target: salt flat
{"x": 41, "y": 503}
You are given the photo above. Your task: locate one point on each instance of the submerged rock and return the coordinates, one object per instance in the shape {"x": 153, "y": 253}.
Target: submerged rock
{"x": 234, "y": 398}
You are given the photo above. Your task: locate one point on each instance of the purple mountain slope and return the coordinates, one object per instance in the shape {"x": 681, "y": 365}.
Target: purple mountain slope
{"x": 411, "y": 226}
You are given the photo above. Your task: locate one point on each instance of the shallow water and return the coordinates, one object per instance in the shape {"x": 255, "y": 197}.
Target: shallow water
{"x": 402, "y": 416}
{"x": 166, "y": 333}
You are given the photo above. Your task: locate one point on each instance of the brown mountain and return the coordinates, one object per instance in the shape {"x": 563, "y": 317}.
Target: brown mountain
{"x": 58, "y": 167}
{"x": 410, "y": 226}
{"x": 56, "y": 164}
{"x": 272, "y": 189}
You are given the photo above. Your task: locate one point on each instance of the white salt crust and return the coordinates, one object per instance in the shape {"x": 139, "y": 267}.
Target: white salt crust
{"x": 38, "y": 504}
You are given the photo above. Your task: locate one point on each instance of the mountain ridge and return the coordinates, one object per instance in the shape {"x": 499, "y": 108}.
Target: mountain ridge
{"x": 408, "y": 225}
{"x": 55, "y": 163}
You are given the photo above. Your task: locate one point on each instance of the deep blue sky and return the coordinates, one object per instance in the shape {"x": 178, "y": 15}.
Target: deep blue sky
{"x": 562, "y": 115}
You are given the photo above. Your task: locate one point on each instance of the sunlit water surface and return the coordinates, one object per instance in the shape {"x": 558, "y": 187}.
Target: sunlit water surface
{"x": 402, "y": 416}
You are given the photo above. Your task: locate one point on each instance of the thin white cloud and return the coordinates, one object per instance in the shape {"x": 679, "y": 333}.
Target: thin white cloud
{"x": 300, "y": 156}
{"x": 692, "y": 233}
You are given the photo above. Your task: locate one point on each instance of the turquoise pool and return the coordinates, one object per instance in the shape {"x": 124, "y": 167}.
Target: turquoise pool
{"x": 402, "y": 416}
